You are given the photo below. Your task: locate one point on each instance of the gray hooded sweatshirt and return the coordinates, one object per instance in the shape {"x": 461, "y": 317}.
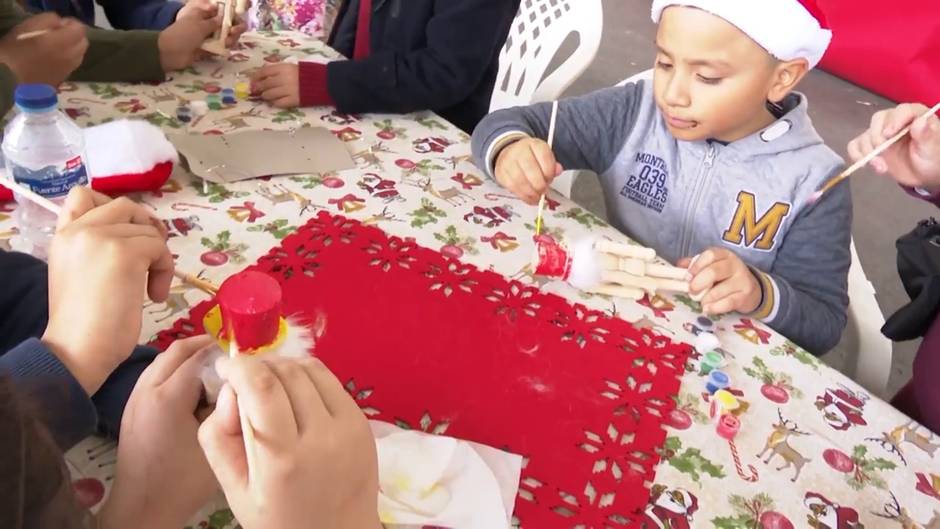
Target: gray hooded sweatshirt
{"x": 681, "y": 198}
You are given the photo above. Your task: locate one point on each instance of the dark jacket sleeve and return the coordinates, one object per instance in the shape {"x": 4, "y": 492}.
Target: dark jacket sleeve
{"x": 67, "y": 410}
{"x": 461, "y": 43}
{"x": 59, "y": 399}
{"x": 140, "y": 14}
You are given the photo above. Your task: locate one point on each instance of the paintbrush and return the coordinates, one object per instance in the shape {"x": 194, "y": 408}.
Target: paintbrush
{"x": 55, "y": 209}
{"x": 551, "y": 140}
{"x": 834, "y": 181}
{"x": 31, "y": 34}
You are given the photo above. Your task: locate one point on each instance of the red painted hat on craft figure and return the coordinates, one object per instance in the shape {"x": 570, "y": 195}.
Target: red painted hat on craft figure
{"x": 787, "y": 29}
{"x": 250, "y": 303}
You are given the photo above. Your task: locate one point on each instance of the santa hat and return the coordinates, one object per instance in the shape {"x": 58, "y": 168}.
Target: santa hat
{"x": 126, "y": 156}
{"x": 123, "y": 157}
{"x": 787, "y": 29}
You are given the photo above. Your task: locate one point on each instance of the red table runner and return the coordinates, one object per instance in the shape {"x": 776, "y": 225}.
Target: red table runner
{"x": 428, "y": 342}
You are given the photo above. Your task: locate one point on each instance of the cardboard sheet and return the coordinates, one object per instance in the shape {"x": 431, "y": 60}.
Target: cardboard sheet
{"x": 252, "y": 154}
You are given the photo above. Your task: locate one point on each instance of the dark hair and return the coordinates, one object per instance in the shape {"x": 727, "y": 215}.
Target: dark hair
{"x": 35, "y": 488}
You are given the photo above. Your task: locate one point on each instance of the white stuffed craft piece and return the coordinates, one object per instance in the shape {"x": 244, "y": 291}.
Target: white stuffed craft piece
{"x": 128, "y": 155}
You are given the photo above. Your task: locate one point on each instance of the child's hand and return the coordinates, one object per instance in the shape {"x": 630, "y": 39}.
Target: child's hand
{"x": 526, "y": 168}
{"x": 315, "y": 455}
{"x": 914, "y": 161}
{"x": 278, "y": 84}
{"x": 727, "y": 284}
{"x": 162, "y": 476}
{"x": 102, "y": 257}
{"x": 180, "y": 43}
{"x": 200, "y": 9}
{"x": 48, "y": 58}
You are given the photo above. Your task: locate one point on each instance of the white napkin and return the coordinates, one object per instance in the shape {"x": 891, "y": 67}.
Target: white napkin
{"x": 441, "y": 481}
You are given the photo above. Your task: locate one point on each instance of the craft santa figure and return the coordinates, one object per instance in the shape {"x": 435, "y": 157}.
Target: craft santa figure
{"x": 825, "y": 514}
{"x": 249, "y": 320}
{"x": 669, "y": 509}
{"x": 842, "y": 408}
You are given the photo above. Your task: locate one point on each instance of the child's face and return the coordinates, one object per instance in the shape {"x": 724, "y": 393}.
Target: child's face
{"x": 711, "y": 80}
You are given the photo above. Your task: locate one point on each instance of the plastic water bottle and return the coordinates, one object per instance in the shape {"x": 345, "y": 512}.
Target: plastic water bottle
{"x": 43, "y": 150}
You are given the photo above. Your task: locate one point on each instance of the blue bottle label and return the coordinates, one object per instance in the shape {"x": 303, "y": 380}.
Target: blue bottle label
{"x": 54, "y": 180}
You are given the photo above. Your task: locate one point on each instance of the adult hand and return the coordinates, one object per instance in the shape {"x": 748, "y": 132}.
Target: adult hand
{"x": 914, "y": 161}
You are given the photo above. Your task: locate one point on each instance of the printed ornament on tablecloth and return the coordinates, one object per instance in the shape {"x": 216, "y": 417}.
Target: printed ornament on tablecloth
{"x": 427, "y": 342}
{"x": 124, "y": 156}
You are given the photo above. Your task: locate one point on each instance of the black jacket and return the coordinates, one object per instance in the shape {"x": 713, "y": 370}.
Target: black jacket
{"x": 440, "y": 55}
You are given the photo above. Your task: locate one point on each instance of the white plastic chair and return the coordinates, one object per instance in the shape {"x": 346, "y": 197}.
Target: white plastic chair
{"x": 863, "y": 332}
{"x": 537, "y": 33}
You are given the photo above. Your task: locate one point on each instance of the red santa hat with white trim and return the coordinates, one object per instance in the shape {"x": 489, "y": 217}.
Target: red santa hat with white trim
{"x": 787, "y": 29}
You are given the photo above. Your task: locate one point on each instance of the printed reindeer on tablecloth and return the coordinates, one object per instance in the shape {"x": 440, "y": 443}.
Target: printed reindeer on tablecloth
{"x": 778, "y": 445}
{"x": 452, "y": 195}
{"x": 894, "y": 511}
{"x": 237, "y": 121}
{"x": 906, "y": 433}
{"x": 279, "y": 194}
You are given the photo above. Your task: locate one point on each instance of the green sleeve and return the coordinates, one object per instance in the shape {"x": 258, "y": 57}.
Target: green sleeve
{"x": 120, "y": 56}
{"x": 7, "y": 86}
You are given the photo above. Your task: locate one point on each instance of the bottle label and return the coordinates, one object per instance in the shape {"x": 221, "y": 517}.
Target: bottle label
{"x": 54, "y": 180}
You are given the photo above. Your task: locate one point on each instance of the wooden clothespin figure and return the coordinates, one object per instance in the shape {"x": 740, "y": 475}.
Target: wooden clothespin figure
{"x": 602, "y": 266}
{"x": 230, "y": 8}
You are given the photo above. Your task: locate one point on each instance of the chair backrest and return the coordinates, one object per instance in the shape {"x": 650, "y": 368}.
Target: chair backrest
{"x": 863, "y": 332}
{"x": 537, "y": 33}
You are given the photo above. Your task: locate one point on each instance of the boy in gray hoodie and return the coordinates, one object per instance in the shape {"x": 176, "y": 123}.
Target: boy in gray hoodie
{"x": 715, "y": 158}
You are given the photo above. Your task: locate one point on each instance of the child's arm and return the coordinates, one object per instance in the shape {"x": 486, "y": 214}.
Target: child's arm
{"x": 590, "y": 131}
{"x": 806, "y": 291}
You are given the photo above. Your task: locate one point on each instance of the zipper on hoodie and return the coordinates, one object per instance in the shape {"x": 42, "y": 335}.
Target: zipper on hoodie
{"x": 690, "y": 214}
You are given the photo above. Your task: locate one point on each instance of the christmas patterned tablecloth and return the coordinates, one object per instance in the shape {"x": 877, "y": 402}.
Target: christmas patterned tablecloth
{"x": 814, "y": 450}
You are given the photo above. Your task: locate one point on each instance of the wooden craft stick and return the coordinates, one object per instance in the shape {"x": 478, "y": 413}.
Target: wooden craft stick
{"x": 55, "y": 209}
{"x": 248, "y": 433}
{"x": 619, "y": 291}
{"x": 625, "y": 250}
{"x": 240, "y": 7}
{"x": 647, "y": 283}
{"x": 31, "y": 34}
{"x": 197, "y": 282}
{"x": 869, "y": 157}
{"x": 30, "y": 195}
{"x": 551, "y": 141}
{"x": 226, "y": 22}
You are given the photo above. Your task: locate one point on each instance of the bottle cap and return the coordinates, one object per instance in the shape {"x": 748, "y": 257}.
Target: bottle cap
{"x": 250, "y": 303}
{"x": 728, "y": 426}
{"x": 35, "y": 97}
{"x": 717, "y": 381}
